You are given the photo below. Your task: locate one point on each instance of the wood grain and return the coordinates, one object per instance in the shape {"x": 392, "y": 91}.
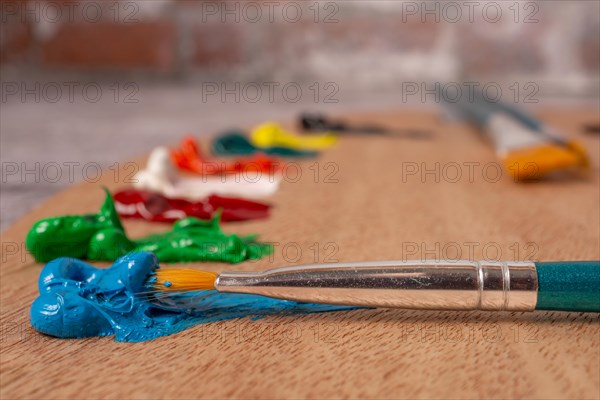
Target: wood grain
{"x": 366, "y": 210}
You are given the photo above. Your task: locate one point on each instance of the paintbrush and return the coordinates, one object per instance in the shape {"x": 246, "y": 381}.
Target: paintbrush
{"x": 434, "y": 285}
{"x": 528, "y": 148}
{"x": 321, "y": 123}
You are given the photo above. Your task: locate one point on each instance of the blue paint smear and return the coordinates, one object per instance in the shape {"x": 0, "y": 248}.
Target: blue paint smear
{"x": 77, "y": 300}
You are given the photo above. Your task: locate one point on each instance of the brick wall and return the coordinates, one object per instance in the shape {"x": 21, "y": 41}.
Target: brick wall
{"x": 369, "y": 43}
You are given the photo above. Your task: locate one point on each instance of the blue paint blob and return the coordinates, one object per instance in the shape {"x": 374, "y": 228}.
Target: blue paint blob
{"x": 167, "y": 284}
{"x": 77, "y": 300}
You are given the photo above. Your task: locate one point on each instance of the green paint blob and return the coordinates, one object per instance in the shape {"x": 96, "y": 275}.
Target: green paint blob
{"x": 569, "y": 286}
{"x": 101, "y": 237}
{"x": 236, "y": 143}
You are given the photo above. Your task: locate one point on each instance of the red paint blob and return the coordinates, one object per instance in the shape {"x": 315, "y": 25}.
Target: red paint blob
{"x": 154, "y": 207}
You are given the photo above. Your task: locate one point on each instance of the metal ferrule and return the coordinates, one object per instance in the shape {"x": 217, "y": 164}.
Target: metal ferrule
{"x": 432, "y": 285}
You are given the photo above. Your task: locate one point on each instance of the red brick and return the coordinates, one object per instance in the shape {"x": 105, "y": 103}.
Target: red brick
{"x": 151, "y": 45}
{"x": 15, "y": 32}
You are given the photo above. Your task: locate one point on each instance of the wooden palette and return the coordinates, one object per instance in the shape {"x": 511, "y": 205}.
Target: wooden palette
{"x": 358, "y": 201}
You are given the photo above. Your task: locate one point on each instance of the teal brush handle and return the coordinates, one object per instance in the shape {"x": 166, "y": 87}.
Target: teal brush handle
{"x": 569, "y": 286}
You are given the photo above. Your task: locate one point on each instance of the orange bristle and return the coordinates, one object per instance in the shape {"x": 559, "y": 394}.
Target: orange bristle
{"x": 173, "y": 279}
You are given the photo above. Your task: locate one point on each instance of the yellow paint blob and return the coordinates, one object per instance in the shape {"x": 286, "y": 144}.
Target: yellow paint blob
{"x": 273, "y": 135}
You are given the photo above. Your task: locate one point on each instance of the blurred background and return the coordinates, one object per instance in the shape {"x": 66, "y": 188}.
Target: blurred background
{"x": 97, "y": 82}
